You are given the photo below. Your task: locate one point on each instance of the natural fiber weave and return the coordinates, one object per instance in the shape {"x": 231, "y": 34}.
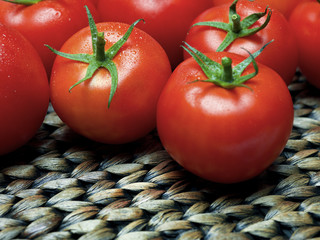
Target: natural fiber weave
{"x": 62, "y": 186}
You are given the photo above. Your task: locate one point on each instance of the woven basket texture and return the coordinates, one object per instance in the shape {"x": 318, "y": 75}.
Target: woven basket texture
{"x": 63, "y": 186}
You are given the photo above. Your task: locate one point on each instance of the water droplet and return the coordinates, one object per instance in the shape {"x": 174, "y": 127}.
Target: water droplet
{"x": 58, "y": 14}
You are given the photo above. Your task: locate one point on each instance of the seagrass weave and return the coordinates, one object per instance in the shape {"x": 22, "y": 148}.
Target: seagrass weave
{"x": 62, "y": 186}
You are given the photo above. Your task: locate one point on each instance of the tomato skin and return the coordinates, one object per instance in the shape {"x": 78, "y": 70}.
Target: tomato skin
{"x": 142, "y": 75}
{"x": 305, "y": 20}
{"x": 24, "y": 90}
{"x": 281, "y": 55}
{"x": 47, "y": 22}
{"x": 167, "y": 21}
{"x": 284, "y": 6}
{"x": 223, "y": 135}
{"x": 95, "y": 2}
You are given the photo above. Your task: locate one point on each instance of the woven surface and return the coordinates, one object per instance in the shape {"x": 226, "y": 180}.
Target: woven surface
{"x": 62, "y": 186}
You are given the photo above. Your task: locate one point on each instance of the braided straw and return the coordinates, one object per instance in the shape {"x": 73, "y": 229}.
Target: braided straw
{"x": 62, "y": 186}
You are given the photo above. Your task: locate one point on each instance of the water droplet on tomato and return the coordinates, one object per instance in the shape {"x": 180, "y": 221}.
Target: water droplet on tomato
{"x": 58, "y": 14}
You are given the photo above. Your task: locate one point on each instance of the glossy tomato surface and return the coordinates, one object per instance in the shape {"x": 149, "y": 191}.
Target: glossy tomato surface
{"x": 305, "y": 20}
{"x": 24, "y": 90}
{"x": 143, "y": 68}
{"x": 281, "y": 55}
{"x": 47, "y": 22}
{"x": 284, "y": 6}
{"x": 224, "y": 135}
{"x": 167, "y": 21}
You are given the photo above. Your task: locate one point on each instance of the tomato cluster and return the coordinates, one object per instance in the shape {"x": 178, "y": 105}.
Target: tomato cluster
{"x": 211, "y": 76}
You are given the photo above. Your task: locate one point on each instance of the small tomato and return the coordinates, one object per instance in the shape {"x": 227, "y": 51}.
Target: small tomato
{"x": 224, "y": 124}
{"x": 46, "y": 22}
{"x": 244, "y": 24}
{"x": 166, "y": 21}
{"x": 24, "y": 90}
{"x": 109, "y": 60}
{"x": 305, "y": 21}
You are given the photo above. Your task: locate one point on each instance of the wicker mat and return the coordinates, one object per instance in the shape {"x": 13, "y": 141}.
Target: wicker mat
{"x": 62, "y": 186}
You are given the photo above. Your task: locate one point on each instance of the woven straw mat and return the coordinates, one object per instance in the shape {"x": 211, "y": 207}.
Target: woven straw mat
{"x": 62, "y": 186}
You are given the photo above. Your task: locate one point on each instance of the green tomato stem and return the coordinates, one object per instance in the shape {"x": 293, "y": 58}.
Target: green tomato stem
{"x": 23, "y": 2}
{"x": 224, "y": 75}
{"x": 237, "y": 28}
{"x": 227, "y": 70}
{"x": 100, "y": 47}
{"x": 236, "y": 24}
{"x": 100, "y": 58}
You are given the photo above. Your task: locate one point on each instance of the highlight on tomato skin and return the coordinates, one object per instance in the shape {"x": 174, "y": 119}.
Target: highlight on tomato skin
{"x": 282, "y": 55}
{"x": 224, "y": 134}
{"x": 24, "y": 90}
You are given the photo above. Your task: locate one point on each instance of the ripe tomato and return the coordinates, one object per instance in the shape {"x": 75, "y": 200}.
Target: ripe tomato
{"x": 305, "y": 20}
{"x": 95, "y": 2}
{"x": 167, "y": 21}
{"x": 284, "y": 6}
{"x": 282, "y": 55}
{"x": 46, "y": 22}
{"x": 220, "y": 134}
{"x": 24, "y": 90}
{"x": 142, "y": 68}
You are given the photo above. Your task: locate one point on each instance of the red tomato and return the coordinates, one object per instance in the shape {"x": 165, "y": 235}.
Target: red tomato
{"x": 224, "y": 135}
{"x": 47, "y": 22}
{"x": 143, "y": 68}
{"x": 95, "y": 2}
{"x": 167, "y": 21}
{"x": 24, "y": 90}
{"x": 284, "y": 6}
{"x": 281, "y": 55}
{"x": 305, "y": 21}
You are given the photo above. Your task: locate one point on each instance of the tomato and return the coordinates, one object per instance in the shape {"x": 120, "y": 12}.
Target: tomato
{"x": 167, "y": 21}
{"x": 46, "y": 22}
{"x": 284, "y": 6}
{"x": 24, "y": 90}
{"x": 95, "y": 2}
{"x": 224, "y": 134}
{"x": 282, "y": 55}
{"x": 305, "y": 21}
{"x": 142, "y": 68}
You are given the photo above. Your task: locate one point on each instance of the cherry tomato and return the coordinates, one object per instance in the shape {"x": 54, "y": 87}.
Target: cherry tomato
{"x": 24, "y": 90}
{"x": 167, "y": 21}
{"x": 220, "y": 134}
{"x": 142, "y": 70}
{"x": 305, "y": 20}
{"x": 282, "y": 55}
{"x": 284, "y": 6}
{"x": 46, "y": 22}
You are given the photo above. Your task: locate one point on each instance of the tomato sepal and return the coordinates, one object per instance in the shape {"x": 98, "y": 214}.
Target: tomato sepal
{"x": 237, "y": 28}
{"x": 100, "y": 57}
{"x": 224, "y": 75}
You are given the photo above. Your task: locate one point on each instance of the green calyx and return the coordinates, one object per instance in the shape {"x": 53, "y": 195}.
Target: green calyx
{"x": 23, "y": 2}
{"x": 237, "y": 28}
{"x": 100, "y": 57}
{"x": 224, "y": 75}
